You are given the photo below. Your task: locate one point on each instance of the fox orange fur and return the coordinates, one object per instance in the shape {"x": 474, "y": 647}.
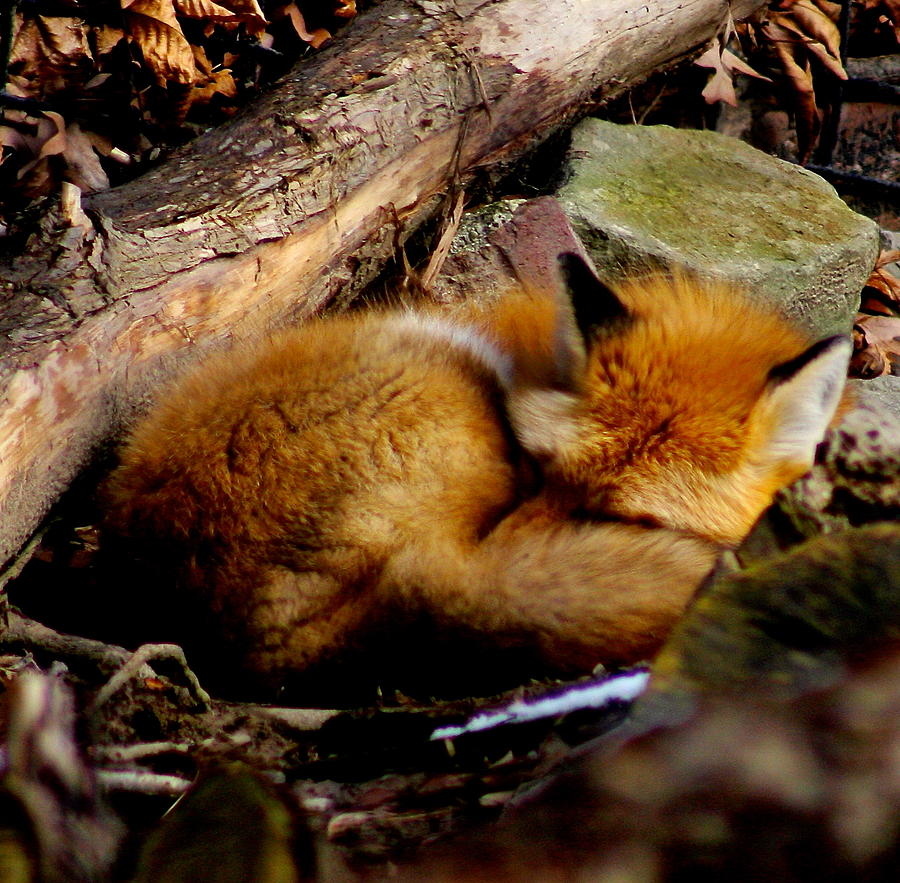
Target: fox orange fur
{"x": 558, "y": 473}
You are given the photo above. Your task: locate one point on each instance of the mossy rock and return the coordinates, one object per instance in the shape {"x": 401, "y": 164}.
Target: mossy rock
{"x": 654, "y": 196}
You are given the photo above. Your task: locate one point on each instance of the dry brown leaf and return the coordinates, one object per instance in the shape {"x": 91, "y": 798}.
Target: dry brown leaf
{"x": 720, "y": 86}
{"x": 105, "y": 147}
{"x": 202, "y": 63}
{"x": 57, "y": 52}
{"x": 798, "y": 32}
{"x": 213, "y": 82}
{"x": 106, "y": 38}
{"x": 724, "y": 64}
{"x": 876, "y": 346}
{"x": 84, "y": 169}
{"x": 153, "y": 26}
{"x": 795, "y": 64}
{"x": 20, "y": 87}
{"x": 892, "y": 6}
{"x": 315, "y": 38}
{"x": 56, "y": 140}
{"x": 65, "y": 40}
{"x": 221, "y": 83}
{"x": 11, "y": 136}
{"x": 817, "y": 32}
{"x": 832, "y": 10}
{"x": 734, "y": 63}
{"x": 63, "y": 51}
{"x": 890, "y": 9}
{"x": 46, "y": 53}
{"x": 47, "y": 139}
{"x": 881, "y": 296}
{"x": 209, "y": 82}
{"x": 891, "y": 256}
{"x": 819, "y": 23}
{"x": 893, "y": 12}
{"x": 227, "y": 13}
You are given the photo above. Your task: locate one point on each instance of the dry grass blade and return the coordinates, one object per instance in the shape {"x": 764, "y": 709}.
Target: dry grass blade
{"x": 439, "y": 255}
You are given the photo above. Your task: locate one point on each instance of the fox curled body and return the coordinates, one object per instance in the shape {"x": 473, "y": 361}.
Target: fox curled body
{"x": 556, "y": 473}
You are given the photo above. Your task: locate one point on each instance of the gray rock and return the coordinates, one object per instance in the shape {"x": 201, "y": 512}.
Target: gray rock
{"x": 652, "y": 196}
{"x": 890, "y": 241}
{"x": 856, "y": 479}
{"x": 502, "y": 244}
{"x": 477, "y": 225}
{"x": 881, "y": 394}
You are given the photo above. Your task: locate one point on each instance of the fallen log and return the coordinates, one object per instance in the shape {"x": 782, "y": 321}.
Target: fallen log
{"x": 297, "y": 201}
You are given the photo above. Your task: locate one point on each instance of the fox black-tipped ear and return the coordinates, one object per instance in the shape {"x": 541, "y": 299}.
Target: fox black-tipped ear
{"x": 594, "y": 304}
{"x": 803, "y": 396}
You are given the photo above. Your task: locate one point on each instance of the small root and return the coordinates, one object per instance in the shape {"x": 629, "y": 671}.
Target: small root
{"x": 137, "y": 667}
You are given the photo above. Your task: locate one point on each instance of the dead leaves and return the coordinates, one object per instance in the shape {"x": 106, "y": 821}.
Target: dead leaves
{"x": 800, "y": 36}
{"x": 876, "y": 346}
{"x": 725, "y": 65}
{"x": 121, "y": 84}
{"x": 49, "y": 137}
{"x": 315, "y": 38}
{"x": 809, "y": 28}
{"x": 884, "y": 16}
{"x": 799, "y": 41}
{"x": 876, "y": 331}
{"x": 154, "y": 27}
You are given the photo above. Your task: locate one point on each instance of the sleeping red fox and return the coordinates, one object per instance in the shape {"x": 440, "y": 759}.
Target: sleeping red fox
{"x": 557, "y": 473}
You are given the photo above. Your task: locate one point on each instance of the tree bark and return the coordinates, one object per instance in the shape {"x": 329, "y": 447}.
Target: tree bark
{"x": 300, "y": 199}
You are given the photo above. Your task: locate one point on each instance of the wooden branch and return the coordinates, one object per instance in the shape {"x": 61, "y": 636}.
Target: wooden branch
{"x": 301, "y": 198}
{"x": 138, "y": 663}
{"x": 20, "y": 632}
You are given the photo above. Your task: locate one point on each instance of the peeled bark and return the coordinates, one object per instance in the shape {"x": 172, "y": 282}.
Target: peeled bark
{"x": 300, "y": 199}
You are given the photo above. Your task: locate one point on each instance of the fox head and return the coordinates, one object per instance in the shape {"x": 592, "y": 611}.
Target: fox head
{"x": 667, "y": 400}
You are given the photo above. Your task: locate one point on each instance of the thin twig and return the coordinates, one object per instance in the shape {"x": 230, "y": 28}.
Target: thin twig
{"x": 17, "y": 565}
{"x": 650, "y": 107}
{"x": 137, "y": 666}
{"x": 476, "y": 73}
{"x": 138, "y": 751}
{"x": 33, "y": 635}
{"x": 442, "y": 249}
{"x": 139, "y": 782}
{"x": 297, "y": 718}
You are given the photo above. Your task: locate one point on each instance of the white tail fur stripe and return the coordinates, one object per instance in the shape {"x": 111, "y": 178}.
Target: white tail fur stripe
{"x": 461, "y": 337}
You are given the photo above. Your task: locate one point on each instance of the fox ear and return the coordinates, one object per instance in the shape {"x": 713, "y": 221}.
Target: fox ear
{"x": 542, "y": 398}
{"x": 802, "y": 398}
{"x": 596, "y": 308}
{"x": 584, "y": 308}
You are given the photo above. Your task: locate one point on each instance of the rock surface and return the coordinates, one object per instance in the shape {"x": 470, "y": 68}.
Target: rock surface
{"x": 651, "y": 196}
{"x": 856, "y": 478}
{"x": 790, "y": 623}
{"x": 880, "y": 394}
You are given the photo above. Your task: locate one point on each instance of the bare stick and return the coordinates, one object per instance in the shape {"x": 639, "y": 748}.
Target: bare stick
{"x": 137, "y": 667}
{"x": 439, "y": 255}
{"x": 32, "y": 635}
{"x": 156, "y": 784}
